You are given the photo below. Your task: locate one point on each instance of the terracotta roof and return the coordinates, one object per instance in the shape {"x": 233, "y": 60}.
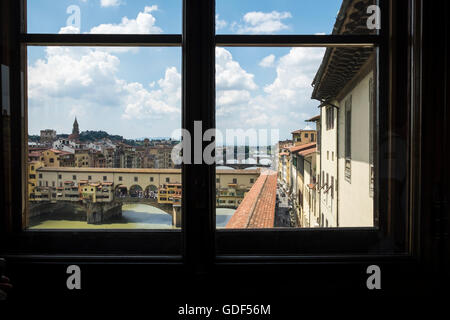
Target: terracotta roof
{"x": 257, "y": 209}
{"x": 302, "y": 147}
{"x": 307, "y": 152}
{"x": 341, "y": 64}
{"x": 314, "y": 119}
{"x": 302, "y": 130}
{"x": 35, "y": 154}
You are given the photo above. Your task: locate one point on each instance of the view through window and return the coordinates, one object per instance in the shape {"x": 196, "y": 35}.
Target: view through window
{"x": 297, "y": 126}
{"x": 103, "y": 121}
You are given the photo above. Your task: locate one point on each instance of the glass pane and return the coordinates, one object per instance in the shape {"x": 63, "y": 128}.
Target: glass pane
{"x": 104, "y": 16}
{"x": 297, "y": 17}
{"x": 102, "y": 124}
{"x": 296, "y": 137}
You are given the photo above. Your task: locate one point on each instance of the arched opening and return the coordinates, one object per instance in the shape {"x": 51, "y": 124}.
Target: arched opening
{"x": 121, "y": 191}
{"x": 151, "y": 192}
{"x": 136, "y": 191}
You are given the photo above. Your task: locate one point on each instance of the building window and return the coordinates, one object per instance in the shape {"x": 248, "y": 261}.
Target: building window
{"x": 332, "y": 187}
{"x": 217, "y": 180}
{"x": 306, "y": 135}
{"x": 151, "y": 179}
{"x": 252, "y": 180}
{"x": 348, "y": 128}
{"x": 74, "y": 177}
{"x": 312, "y": 137}
{"x": 329, "y": 117}
{"x": 120, "y": 178}
{"x": 59, "y": 176}
{"x": 234, "y": 181}
{"x": 348, "y": 170}
{"x": 371, "y": 180}
{"x": 89, "y": 177}
{"x": 167, "y": 180}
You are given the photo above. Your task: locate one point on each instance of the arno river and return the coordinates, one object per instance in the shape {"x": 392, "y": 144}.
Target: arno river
{"x": 134, "y": 216}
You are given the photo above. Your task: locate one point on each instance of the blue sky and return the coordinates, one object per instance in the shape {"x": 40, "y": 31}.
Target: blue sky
{"x": 135, "y": 92}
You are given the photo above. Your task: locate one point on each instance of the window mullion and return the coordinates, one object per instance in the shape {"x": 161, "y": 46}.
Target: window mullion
{"x": 198, "y": 100}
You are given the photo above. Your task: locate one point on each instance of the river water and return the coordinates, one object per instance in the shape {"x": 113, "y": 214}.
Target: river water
{"x": 134, "y": 216}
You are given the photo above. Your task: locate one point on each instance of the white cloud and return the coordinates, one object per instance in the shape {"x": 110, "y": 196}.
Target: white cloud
{"x": 268, "y": 61}
{"x": 110, "y": 3}
{"x": 220, "y": 24}
{"x": 69, "y": 30}
{"x": 70, "y": 71}
{"x": 230, "y": 75}
{"x": 262, "y": 22}
{"x": 143, "y": 24}
{"x": 283, "y": 104}
{"x": 85, "y": 82}
{"x": 295, "y": 72}
{"x": 233, "y": 84}
{"x": 142, "y": 103}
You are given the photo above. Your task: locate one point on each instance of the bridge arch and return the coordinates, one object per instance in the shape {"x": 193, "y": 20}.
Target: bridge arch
{"x": 151, "y": 191}
{"x": 136, "y": 190}
{"x": 121, "y": 190}
{"x": 151, "y": 187}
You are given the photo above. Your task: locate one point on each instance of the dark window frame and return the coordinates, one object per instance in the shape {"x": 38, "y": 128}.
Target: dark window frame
{"x": 199, "y": 233}
{"x": 232, "y": 244}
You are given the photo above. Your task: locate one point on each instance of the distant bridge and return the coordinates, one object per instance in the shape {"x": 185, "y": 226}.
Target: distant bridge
{"x": 101, "y": 212}
{"x": 241, "y": 166}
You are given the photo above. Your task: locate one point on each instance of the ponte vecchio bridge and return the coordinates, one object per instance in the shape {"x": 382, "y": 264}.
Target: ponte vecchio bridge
{"x": 125, "y": 185}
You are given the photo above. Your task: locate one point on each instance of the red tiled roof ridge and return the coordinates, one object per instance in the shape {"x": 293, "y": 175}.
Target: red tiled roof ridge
{"x": 307, "y": 151}
{"x": 302, "y": 147}
{"x": 241, "y": 216}
{"x": 302, "y": 130}
{"x": 257, "y": 210}
{"x": 255, "y": 203}
{"x": 264, "y": 213}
